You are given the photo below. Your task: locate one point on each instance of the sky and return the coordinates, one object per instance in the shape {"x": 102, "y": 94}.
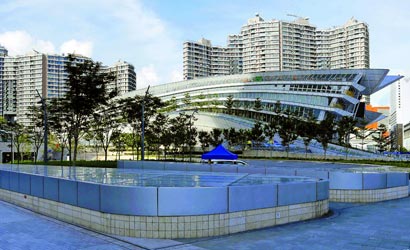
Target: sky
{"x": 150, "y": 33}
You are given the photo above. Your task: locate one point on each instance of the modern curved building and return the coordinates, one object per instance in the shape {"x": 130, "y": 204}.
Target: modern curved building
{"x": 318, "y": 91}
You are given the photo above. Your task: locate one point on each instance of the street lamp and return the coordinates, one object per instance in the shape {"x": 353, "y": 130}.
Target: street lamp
{"x": 43, "y": 104}
{"x": 143, "y": 126}
{"x": 190, "y": 133}
{"x": 12, "y": 142}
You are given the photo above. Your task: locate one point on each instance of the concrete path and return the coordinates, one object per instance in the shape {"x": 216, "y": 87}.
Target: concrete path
{"x": 383, "y": 225}
{"x": 21, "y": 229}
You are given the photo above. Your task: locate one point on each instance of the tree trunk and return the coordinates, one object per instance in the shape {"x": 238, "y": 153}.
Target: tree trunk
{"x": 70, "y": 148}
{"x": 132, "y": 151}
{"x": 62, "y": 154}
{"x": 75, "y": 149}
{"x": 35, "y": 156}
{"x": 105, "y": 153}
{"x": 306, "y": 149}
{"x": 287, "y": 151}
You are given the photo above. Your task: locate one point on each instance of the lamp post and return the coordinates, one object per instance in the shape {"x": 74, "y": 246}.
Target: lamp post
{"x": 143, "y": 125}
{"x": 43, "y": 105}
{"x": 12, "y": 142}
{"x": 190, "y": 133}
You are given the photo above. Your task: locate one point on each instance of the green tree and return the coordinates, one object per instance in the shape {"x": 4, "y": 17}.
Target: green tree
{"x": 156, "y": 132}
{"x": 344, "y": 127}
{"x": 129, "y": 142}
{"x": 187, "y": 100}
{"x": 216, "y": 137}
{"x": 229, "y": 104}
{"x": 59, "y": 125}
{"x": 93, "y": 144}
{"x": 36, "y": 131}
{"x": 167, "y": 139}
{"x": 271, "y": 128}
{"x": 307, "y": 129}
{"x": 178, "y": 127}
{"x": 118, "y": 141}
{"x": 288, "y": 129}
{"x": 257, "y": 107}
{"x": 170, "y": 105}
{"x": 362, "y": 132}
{"x": 230, "y": 136}
{"x": 132, "y": 114}
{"x": 204, "y": 139}
{"x": 381, "y": 139}
{"x": 243, "y": 137}
{"x": 325, "y": 131}
{"x": 105, "y": 122}
{"x": 256, "y": 134}
{"x": 21, "y": 139}
{"x": 86, "y": 92}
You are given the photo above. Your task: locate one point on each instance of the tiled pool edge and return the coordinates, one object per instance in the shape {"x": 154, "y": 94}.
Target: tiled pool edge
{"x": 343, "y": 186}
{"x": 371, "y": 195}
{"x": 169, "y": 226}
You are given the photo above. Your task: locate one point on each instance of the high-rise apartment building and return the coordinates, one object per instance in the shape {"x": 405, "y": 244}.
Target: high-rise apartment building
{"x": 204, "y": 60}
{"x": 399, "y": 115}
{"x": 23, "y": 77}
{"x": 276, "y": 45}
{"x": 125, "y": 77}
{"x": 3, "y": 54}
{"x": 345, "y": 46}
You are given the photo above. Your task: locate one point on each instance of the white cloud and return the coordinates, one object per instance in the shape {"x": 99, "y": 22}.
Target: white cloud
{"x": 128, "y": 30}
{"x": 147, "y": 76}
{"x": 20, "y": 42}
{"x": 77, "y": 47}
{"x": 153, "y": 40}
{"x": 16, "y": 42}
{"x": 44, "y": 46}
{"x": 145, "y": 24}
{"x": 176, "y": 75}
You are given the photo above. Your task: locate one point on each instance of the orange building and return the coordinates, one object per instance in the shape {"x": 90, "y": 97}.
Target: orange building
{"x": 385, "y": 110}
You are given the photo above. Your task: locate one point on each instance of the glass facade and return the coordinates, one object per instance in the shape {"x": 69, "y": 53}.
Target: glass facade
{"x": 317, "y": 91}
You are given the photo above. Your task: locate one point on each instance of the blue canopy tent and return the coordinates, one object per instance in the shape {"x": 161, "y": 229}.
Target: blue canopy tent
{"x": 219, "y": 153}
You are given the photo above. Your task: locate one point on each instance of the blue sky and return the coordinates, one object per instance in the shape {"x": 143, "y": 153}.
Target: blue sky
{"x": 149, "y": 33}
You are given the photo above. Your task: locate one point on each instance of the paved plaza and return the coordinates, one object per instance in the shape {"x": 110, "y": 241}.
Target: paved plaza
{"x": 383, "y": 225}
